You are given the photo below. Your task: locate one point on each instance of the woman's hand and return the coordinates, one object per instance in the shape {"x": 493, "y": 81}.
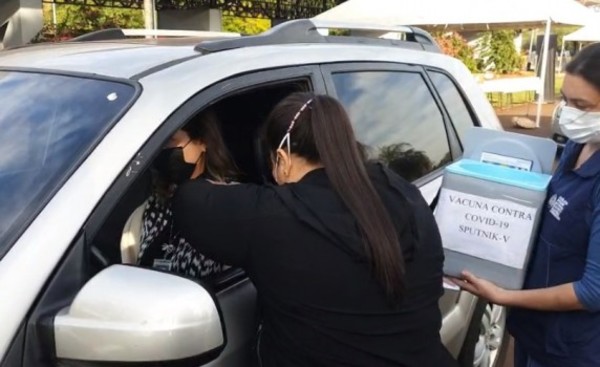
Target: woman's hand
{"x": 481, "y": 288}
{"x": 557, "y": 298}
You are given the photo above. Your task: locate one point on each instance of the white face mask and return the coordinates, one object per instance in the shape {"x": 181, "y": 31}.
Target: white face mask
{"x": 580, "y": 126}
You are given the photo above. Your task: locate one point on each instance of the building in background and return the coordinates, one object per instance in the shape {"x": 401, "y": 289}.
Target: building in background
{"x": 22, "y": 20}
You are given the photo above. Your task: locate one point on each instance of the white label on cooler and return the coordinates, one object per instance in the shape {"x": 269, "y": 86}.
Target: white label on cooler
{"x": 493, "y": 230}
{"x": 506, "y": 161}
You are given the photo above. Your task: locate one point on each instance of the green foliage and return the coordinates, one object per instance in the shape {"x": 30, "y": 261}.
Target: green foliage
{"x": 245, "y": 25}
{"x": 75, "y": 20}
{"x": 340, "y": 32}
{"x": 560, "y": 32}
{"x": 527, "y": 35}
{"x": 456, "y": 46}
{"x": 499, "y": 52}
{"x": 319, "y": 3}
{"x": 402, "y": 158}
{"x": 241, "y": 8}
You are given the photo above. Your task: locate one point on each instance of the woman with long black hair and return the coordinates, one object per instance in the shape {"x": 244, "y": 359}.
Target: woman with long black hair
{"x": 346, "y": 256}
{"x": 194, "y": 152}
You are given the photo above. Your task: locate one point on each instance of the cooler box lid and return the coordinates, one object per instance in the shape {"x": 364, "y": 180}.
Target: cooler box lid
{"x": 504, "y": 175}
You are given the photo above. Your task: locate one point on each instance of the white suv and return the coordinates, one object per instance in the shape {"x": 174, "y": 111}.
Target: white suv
{"x": 80, "y": 123}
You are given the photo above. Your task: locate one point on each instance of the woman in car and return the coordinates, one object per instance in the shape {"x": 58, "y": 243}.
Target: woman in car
{"x": 346, "y": 257}
{"x": 195, "y": 152}
{"x": 556, "y": 318}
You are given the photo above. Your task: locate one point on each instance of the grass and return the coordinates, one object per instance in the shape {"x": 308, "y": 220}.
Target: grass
{"x": 558, "y": 83}
{"x": 505, "y": 100}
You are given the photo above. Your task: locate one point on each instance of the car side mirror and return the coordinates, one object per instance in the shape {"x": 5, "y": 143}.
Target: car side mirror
{"x": 130, "y": 314}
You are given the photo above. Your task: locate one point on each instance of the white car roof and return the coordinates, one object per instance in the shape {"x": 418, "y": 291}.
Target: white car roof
{"x": 113, "y": 59}
{"x": 130, "y": 58}
{"x": 168, "y": 64}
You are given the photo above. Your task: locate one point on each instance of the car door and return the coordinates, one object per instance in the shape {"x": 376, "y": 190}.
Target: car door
{"x": 95, "y": 248}
{"x": 399, "y": 115}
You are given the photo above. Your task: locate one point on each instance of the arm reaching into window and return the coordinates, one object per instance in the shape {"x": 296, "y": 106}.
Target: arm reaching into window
{"x": 218, "y": 219}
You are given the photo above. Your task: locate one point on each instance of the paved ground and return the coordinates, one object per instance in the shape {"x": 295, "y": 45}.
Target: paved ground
{"x": 545, "y": 130}
{"x": 528, "y": 111}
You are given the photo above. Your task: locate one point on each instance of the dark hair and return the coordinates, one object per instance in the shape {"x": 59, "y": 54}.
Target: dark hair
{"x": 586, "y": 64}
{"x": 323, "y": 134}
{"x": 218, "y": 162}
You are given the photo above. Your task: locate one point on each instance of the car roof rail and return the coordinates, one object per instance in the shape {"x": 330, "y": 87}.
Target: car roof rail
{"x": 101, "y": 35}
{"x": 294, "y": 31}
{"x": 334, "y": 24}
{"x": 120, "y": 34}
{"x": 307, "y": 31}
{"x": 178, "y": 33}
{"x": 411, "y": 34}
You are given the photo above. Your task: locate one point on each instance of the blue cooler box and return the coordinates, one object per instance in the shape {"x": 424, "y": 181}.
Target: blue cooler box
{"x": 488, "y": 217}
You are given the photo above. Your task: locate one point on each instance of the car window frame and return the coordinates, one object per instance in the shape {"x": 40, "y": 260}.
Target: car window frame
{"x": 204, "y": 98}
{"x": 137, "y": 91}
{"x": 453, "y": 142}
{"x": 461, "y": 92}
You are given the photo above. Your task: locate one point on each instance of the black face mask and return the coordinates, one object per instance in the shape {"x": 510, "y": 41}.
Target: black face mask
{"x": 171, "y": 165}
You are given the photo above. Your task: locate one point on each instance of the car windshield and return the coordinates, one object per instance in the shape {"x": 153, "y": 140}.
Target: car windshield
{"x": 48, "y": 123}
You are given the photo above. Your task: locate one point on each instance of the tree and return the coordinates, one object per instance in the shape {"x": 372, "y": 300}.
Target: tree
{"x": 403, "y": 159}
{"x": 249, "y": 26}
{"x": 444, "y": 161}
{"x": 245, "y": 25}
{"x": 453, "y": 44}
{"x": 499, "y": 52}
{"x": 75, "y": 20}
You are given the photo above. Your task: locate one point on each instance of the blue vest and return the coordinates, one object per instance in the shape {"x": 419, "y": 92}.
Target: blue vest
{"x": 562, "y": 339}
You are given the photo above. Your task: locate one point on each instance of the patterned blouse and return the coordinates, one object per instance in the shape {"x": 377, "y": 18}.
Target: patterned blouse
{"x": 163, "y": 249}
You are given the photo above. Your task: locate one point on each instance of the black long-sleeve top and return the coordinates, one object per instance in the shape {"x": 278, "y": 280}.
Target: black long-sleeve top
{"x": 301, "y": 247}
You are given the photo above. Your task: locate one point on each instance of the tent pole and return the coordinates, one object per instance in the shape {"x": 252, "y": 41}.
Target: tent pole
{"x": 532, "y": 35}
{"x": 149, "y": 14}
{"x": 530, "y": 59}
{"x": 562, "y": 54}
{"x": 535, "y": 64}
{"x": 544, "y": 66}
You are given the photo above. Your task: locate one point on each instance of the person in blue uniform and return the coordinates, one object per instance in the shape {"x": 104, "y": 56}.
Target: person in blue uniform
{"x": 555, "y": 319}
{"x": 346, "y": 256}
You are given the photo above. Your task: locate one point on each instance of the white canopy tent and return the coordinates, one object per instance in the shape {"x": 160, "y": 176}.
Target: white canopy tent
{"x": 465, "y": 15}
{"x": 589, "y": 33}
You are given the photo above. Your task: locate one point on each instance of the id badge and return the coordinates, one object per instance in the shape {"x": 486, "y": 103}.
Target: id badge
{"x": 162, "y": 264}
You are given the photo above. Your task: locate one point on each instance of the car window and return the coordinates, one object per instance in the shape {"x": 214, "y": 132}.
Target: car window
{"x": 48, "y": 123}
{"x": 454, "y": 102}
{"x": 396, "y": 118}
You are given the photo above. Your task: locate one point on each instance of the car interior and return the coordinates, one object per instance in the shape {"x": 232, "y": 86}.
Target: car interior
{"x": 241, "y": 116}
